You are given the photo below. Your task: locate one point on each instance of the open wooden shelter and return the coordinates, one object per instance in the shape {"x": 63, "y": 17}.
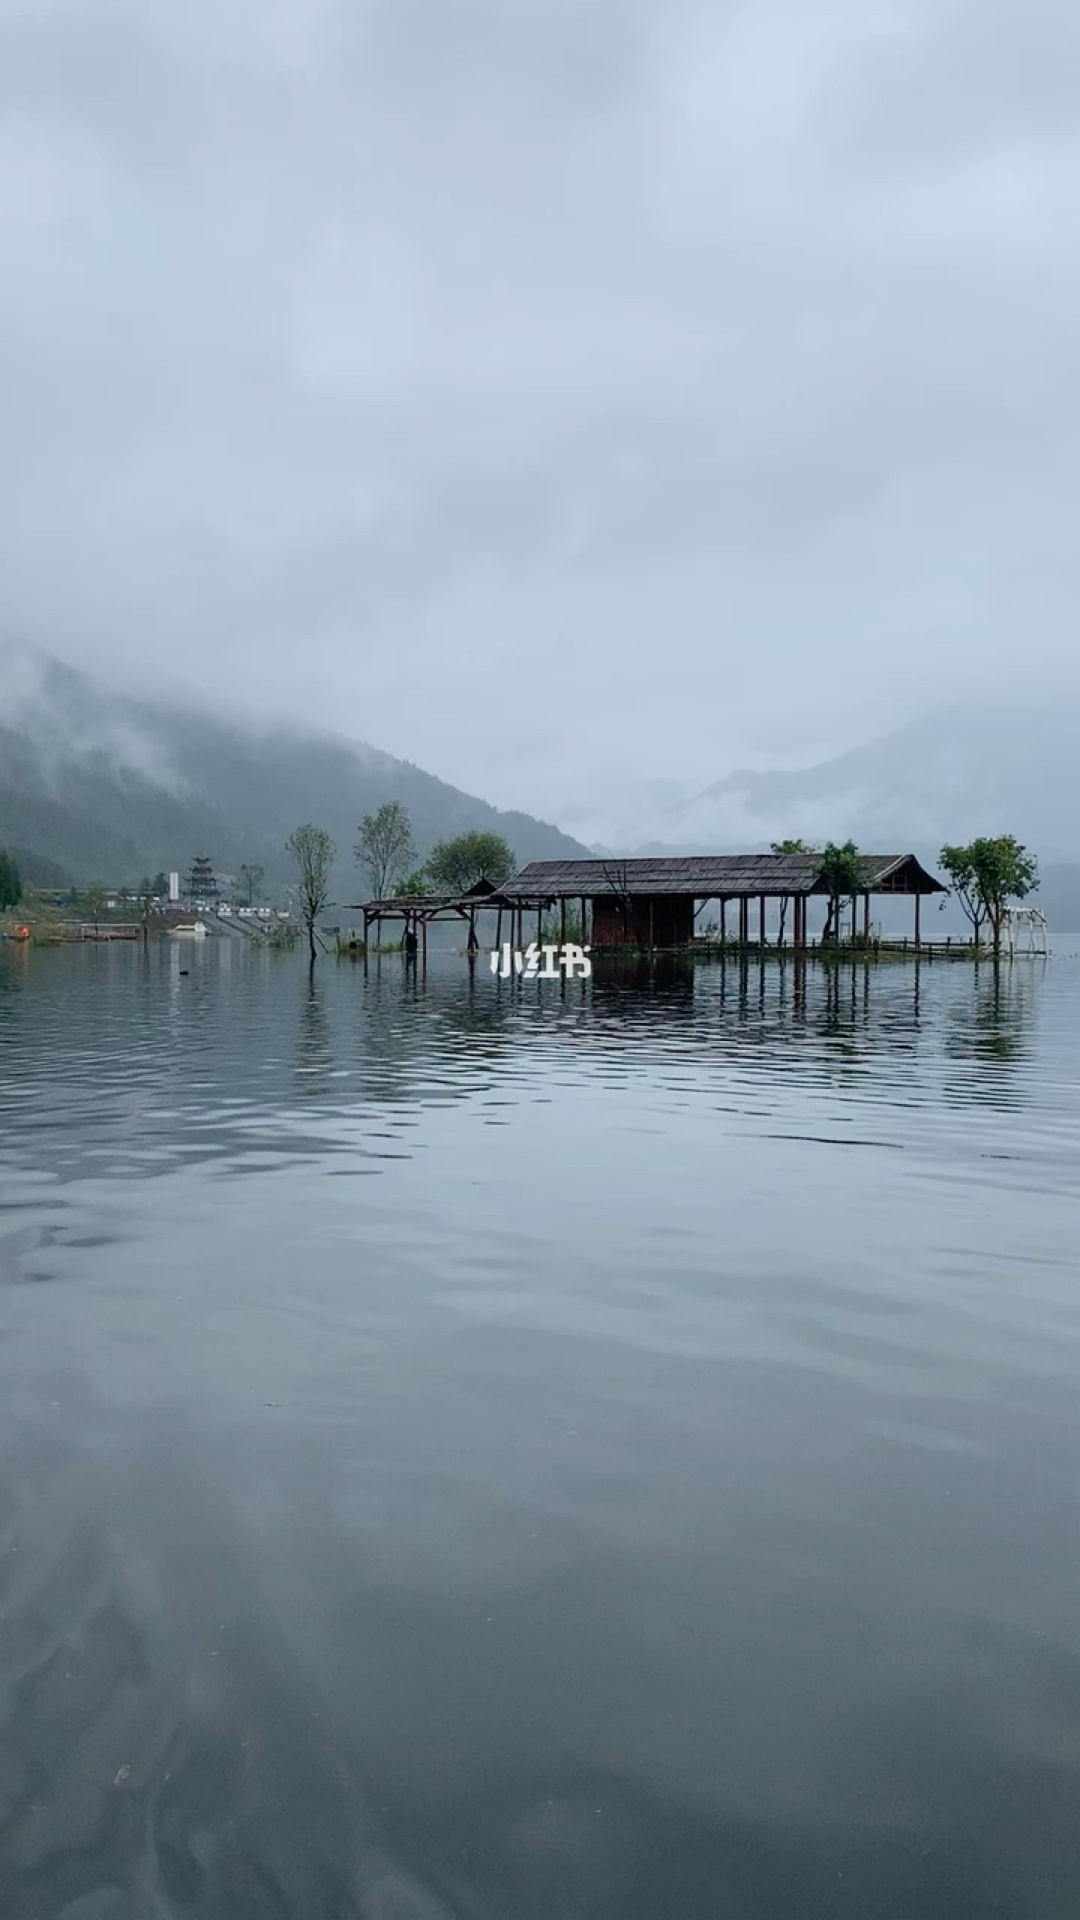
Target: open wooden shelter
{"x": 417, "y": 911}
{"x": 654, "y": 903}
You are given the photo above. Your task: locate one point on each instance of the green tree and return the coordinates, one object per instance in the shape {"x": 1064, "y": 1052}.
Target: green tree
{"x": 94, "y": 903}
{"x": 456, "y": 865}
{"x": 959, "y": 866}
{"x": 10, "y": 882}
{"x": 413, "y": 883}
{"x": 986, "y": 875}
{"x": 386, "y": 847}
{"x": 159, "y": 886}
{"x": 251, "y": 879}
{"x": 314, "y": 853}
{"x": 841, "y": 875}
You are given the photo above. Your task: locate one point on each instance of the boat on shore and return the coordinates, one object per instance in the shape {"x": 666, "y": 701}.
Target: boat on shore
{"x": 194, "y": 931}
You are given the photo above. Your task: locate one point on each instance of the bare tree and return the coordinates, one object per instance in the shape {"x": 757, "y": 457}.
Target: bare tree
{"x": 617, "y": 875}
{"x": 314, "y": 852}
{"x": 386, "y": 849}
{"x": 251, "y": 879}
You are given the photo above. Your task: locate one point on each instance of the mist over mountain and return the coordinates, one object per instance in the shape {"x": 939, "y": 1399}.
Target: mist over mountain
{"x": 95, "y": 786}
{"x": 958, "y": 773}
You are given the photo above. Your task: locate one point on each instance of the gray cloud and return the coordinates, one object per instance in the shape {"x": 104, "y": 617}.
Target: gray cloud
{"x": 561, "y": 396}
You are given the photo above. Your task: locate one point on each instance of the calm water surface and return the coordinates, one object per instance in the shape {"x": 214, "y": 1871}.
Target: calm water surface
{"x": 515, "y": 1454}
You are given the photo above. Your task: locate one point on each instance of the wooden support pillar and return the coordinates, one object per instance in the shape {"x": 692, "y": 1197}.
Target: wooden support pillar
{"x": 583, "y": 931}
{"x": 761, "y": 921}
{"x": 562, "y": 920}
{"x": 498, "y": 929}
{"x": 652, "y": 941}
{"x": 723, "y": 921}
{"x": 744, "y": 920}
{"x": 918, "y": 903}
{"x": 866, "y": 916}
{"x": 423, "y": 929}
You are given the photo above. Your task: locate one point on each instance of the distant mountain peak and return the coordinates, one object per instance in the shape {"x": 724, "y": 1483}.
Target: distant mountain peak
{"x": 959, "y": 772}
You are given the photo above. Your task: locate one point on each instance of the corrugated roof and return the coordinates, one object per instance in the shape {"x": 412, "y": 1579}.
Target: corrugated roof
{"x": 709, "y": 876}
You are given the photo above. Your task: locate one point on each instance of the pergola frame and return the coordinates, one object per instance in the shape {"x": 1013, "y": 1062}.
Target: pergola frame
{"x": 421, "y": 910}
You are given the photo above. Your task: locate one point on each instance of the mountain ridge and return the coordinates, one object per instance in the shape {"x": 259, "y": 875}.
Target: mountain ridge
{"x": 956, "y": 773}
{"x": 95, "y": 785}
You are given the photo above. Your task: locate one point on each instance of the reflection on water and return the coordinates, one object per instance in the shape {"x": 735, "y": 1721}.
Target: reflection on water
{"x": 315, "y": 1057}
{"x": 571, "y": 1451}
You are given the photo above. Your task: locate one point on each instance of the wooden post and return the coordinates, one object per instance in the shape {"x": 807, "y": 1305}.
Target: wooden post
{"x": 744, "y": 921}
{"x": 424, "y": 928}
{"x": 498, "y": 929}
{"x": 583, "y": 919}
{"x": 918, "y": 903}
{"x": 866, "y": 918}
{"x": 652, "y": 941}
{"x": 761, "y": 922}
{"x": 723, "y": 920}
{"x": 562, "y": 921}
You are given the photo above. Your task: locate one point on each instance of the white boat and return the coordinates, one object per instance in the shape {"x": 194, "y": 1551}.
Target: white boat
{"x": 196, "y": 931}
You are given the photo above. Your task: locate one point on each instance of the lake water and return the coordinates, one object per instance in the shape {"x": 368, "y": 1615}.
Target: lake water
{"x": 519, "y": 1453}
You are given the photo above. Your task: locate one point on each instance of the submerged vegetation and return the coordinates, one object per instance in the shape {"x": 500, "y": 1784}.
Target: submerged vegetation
{"x": 986, "y": 875}
{"x": 280, "y": 937}
{"x": 313, "y": 852}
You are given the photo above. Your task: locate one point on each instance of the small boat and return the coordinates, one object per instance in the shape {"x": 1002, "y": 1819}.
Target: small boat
{"x": 196, "y": 931}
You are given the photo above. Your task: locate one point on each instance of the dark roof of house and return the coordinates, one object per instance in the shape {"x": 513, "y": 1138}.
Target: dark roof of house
{"x": 708, "y": 877}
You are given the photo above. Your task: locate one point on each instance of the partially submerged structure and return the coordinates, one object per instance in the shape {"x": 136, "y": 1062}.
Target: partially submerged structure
{"x": 656, "y": 903}
{"x": 651, "y": 904}
{"x": 416, "y": 912}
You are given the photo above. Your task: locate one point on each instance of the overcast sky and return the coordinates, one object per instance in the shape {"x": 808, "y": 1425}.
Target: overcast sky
{"x": 559, "y": 393}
